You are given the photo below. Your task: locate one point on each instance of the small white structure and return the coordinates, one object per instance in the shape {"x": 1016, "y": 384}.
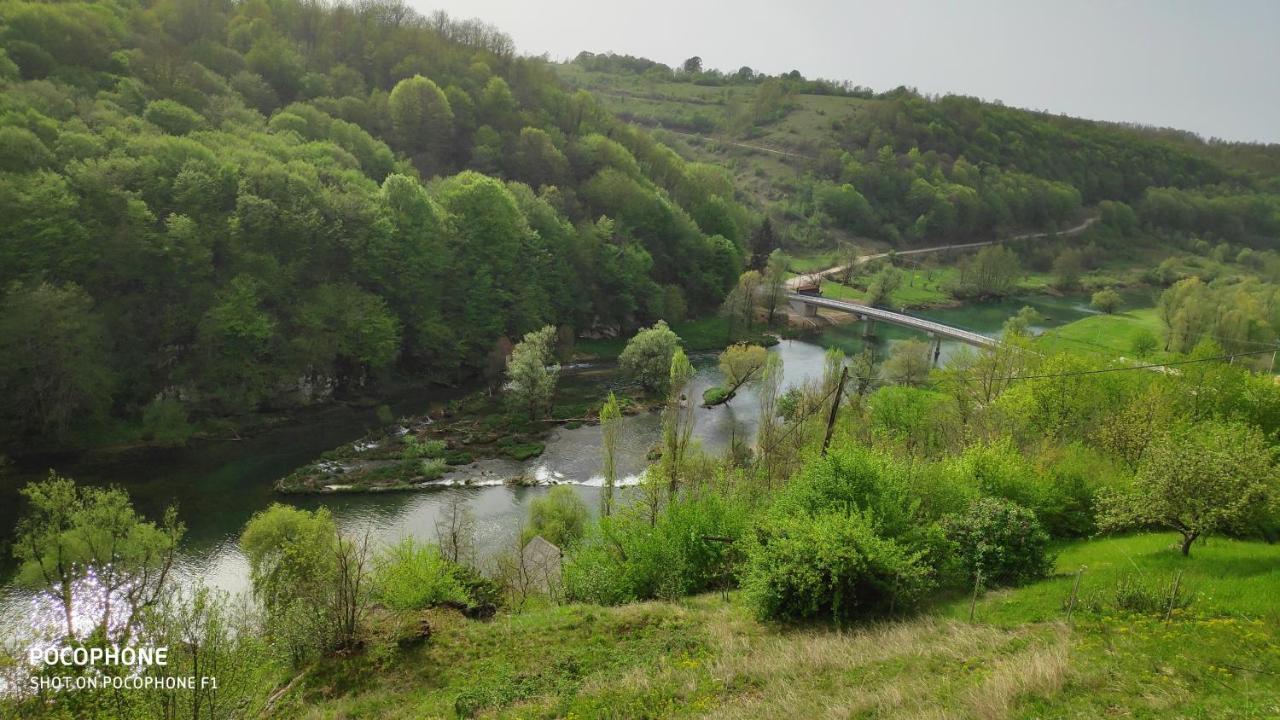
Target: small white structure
{"x": 540, "y": 562}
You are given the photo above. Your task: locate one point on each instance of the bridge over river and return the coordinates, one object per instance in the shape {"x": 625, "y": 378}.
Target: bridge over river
{"x": 804, "y": 298}
{"x": 809, "y": 304}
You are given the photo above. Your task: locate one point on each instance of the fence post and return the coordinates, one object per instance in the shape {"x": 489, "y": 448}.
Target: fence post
{"x": 973, "y": 603}
{"x": 1173, "y": 596}
{"x": 1075, "y": 590}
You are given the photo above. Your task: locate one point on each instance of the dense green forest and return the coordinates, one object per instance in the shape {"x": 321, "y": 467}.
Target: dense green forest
{"x": 212, "y": 208}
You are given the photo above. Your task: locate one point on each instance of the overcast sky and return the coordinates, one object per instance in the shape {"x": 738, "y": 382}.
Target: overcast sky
{"x": 1210, "y": 66}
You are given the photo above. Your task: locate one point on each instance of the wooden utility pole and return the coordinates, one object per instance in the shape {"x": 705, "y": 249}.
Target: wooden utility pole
{"x": 835, "y": 405}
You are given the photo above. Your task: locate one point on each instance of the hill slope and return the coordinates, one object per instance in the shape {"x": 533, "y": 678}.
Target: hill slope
{"x": 213, "y": 208}
{"x": 831, "y": 160}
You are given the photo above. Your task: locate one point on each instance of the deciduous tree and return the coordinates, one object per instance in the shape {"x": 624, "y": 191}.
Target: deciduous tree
{"x": 532, "y": 372}
{"x": 647, "y": 357}
{"x": 1198, "y": 479}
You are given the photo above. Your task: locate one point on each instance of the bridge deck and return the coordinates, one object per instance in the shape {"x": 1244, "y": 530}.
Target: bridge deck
{"x": 896, "y": 318}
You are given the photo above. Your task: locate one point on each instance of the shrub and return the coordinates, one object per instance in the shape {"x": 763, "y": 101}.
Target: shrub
{"x": 714, "y": 395}
{"x": 560, "y": 517}
{"x": 411, "y": 575}
{"x": 458, "y": 457}
{"x": 923, "y": 419}
{"x": 415, "y": 448}
{"x": 433, "y": 468}
{"x": 1069, "y": 484}
{"x": 997, "y": 470}
{"x": 598, "y": 572}
{"x": 625, "y": 558}
{"x": 1143, "y": 343}
{"x": 1061, "y": 495}
{"x": 164, "y": 420}
{"x": 831, "y": 565}
{"x": 484, "y": 596}
{"x": 524, "y": 451}
{"x": 852, "y": 478}
{"x": 1000, "y": 541}
{"x": 901, "y": 503}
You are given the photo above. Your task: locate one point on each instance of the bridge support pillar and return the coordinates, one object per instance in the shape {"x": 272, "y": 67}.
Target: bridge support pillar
{"x": 868, "y": 327}
{"x": 937, "y": 349}
{"x": 810, "y": 310}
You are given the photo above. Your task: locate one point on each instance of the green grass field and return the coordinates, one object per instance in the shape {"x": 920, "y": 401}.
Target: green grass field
{"x": 926, "y": 289}
{"x": 1109, "y": 335}
{"x": 707, "y": 657}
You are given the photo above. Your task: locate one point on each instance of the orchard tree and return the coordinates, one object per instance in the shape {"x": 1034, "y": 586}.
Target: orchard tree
{"x": 532, "y": 371}
{"x": 647, "y": 357}
{"x": 1198, "y": 479}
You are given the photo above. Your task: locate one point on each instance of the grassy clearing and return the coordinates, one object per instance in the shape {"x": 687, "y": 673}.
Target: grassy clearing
{"x": 1230, "y": 578}
{"x": 813, "y": 262}
{"x": 709, "y": 658}
{"x": 1110, "y": 335}
{"x": 919, "y": 288}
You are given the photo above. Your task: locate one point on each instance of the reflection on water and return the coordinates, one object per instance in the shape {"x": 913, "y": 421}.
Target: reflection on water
{"x": 220, "y": 485}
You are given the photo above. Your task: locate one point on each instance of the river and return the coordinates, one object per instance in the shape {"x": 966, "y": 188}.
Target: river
{"x": 219, "y": 485}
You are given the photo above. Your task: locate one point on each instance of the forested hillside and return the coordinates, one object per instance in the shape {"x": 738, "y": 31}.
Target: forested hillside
{"x": 828, "y": 158}
{"x": 212, "y": 208}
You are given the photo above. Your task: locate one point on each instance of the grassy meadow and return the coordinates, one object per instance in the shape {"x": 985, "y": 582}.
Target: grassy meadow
{"x": 707, "y": 657}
